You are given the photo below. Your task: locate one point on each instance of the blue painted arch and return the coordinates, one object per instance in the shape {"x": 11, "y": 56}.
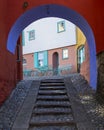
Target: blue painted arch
{"x": 53, "y": 10}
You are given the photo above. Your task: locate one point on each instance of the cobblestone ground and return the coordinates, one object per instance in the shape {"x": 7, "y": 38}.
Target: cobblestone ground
{"x": 93, "y": 104}
{"x": 11, "y": 107}
{"x": 94, "y": 108}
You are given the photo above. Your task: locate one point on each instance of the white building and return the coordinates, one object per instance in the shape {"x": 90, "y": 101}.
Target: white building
{"x": 48, "y": 33}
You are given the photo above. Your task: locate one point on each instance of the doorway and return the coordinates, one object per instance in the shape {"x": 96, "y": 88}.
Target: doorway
{"x": 80, "y": 57}
{"x": 55, "y": 61}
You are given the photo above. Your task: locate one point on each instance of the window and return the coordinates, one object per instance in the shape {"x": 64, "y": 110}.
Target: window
{"x": 41, "y": 59}
{"x": 82, "y": 54}
{"x": 24, "y": 61}
{"x": 65, "y": 53}
{"x": 23, "y": 38}
{"x": 61, "y": 26}
{"x": 31, "y": 35}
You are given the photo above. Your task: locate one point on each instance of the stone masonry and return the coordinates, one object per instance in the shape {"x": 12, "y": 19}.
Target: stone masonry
{"x": 100, "y": 85}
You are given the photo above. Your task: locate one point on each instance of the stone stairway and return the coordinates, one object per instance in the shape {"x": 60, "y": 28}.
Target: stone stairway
{"x": 52, "y": 109}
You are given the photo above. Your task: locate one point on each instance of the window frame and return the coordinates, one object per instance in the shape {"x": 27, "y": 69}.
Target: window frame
{"x": 31, "y": 35}
{"x": 58, "y": 26}
{"x": 41, "y": 60}
{"x": 63, "y": 53}
{"x": 24, "y": 63}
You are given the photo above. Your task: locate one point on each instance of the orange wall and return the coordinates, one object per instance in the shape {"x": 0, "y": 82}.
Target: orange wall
{"x": 7, "y": 75}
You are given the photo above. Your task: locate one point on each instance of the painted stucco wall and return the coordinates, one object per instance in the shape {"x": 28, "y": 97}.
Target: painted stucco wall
{"x": 71, "y": 60}
{"x": 81, "y": 39}
{"x": 7, "y": 63}
{"x": 29, "y": 61}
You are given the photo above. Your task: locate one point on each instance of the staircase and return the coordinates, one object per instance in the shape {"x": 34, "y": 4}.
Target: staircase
{"x": 52, "y": 109}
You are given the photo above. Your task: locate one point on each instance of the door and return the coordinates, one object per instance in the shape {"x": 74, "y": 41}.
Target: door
{"x": 19, "y": 72}
{"x": 80, "y": 57}
{"x": 55, "y": 63}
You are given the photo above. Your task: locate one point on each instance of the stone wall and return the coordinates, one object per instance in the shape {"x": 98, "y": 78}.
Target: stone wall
{"x": 100, "y": 82}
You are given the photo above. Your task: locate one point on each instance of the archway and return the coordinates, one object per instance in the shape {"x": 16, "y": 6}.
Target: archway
{"x": 53, "y": 10}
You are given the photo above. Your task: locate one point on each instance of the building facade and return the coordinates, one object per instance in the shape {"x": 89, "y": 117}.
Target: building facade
{"x": 63, "y": 45}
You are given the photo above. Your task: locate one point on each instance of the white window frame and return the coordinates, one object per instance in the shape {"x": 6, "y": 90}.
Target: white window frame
{"x": 60, "y": 26}
{"x": 41, "y": 59}
{"x": 65, "y": 53}
{"x": 31, "y": 35}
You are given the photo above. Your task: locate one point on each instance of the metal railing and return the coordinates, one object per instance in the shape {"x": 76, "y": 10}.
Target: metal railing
{"x": 47, "y": 71}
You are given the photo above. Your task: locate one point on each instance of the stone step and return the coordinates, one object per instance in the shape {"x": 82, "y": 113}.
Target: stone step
{"x": 52, "y": 88}
{"x": 51, "y": 127}
{"x": 44, "y": 123}
{"x": 52, "y": 92}
{"x": 53, "y": 98}
{"x": 52, "y": 104}
{"x": 51, "y": 111}
{"x": 52, "y": 84}
{"x": 43, "y": 120}
{"x": 52, "y": 80}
